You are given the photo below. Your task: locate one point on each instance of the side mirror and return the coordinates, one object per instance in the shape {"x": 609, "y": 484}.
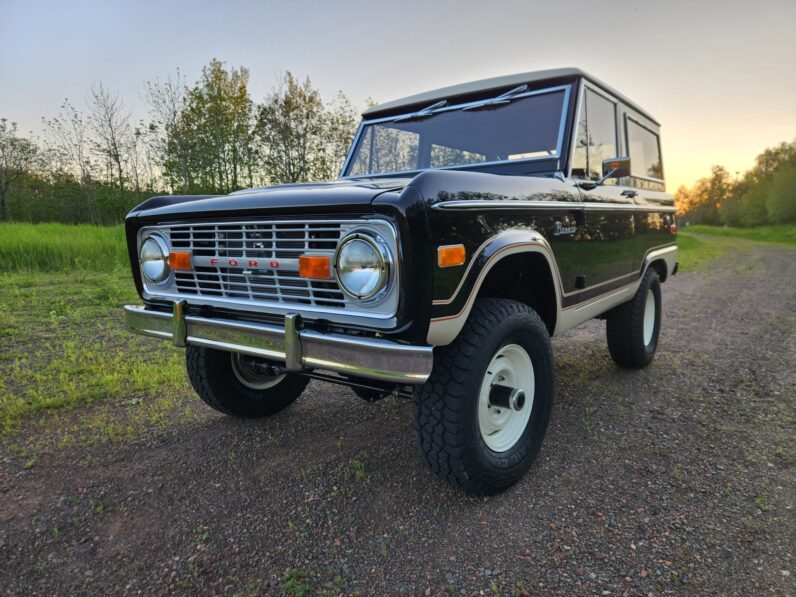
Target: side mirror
{"x": 616, "y": 168}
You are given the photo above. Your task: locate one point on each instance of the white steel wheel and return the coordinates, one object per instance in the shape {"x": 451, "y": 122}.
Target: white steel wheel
{"x": 244, "y": 369}
{"x": 501, "y": 428}
{"x": 649, "y": 317}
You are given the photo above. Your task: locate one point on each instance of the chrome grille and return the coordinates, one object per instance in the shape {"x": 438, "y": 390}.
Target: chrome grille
{"x": 263, "y": 243}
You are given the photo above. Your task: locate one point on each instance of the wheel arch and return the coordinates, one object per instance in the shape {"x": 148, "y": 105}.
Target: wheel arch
{"x": 538, "y": 286}
{"x": 659, "y": 265}
{"x": 531, "y": 283}
{"x": 662, "y": 260}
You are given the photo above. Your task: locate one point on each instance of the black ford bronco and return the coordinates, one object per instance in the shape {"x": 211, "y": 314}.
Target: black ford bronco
{"x": 468, "y": 226}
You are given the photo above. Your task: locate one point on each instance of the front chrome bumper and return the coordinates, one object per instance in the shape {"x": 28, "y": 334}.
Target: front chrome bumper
{"x": 371, "y": 358}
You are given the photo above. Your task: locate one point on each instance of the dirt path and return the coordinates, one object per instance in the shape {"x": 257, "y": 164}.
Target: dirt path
{"x": 678, "y": 479}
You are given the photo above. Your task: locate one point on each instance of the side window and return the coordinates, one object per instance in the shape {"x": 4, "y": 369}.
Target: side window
{"x": 645, "y": 156}
{"x": 596, "y": 137}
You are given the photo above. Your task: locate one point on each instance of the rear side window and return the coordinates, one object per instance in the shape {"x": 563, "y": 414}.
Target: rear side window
{"x": 645, "y": 154}
{"x": 596, "y": 137}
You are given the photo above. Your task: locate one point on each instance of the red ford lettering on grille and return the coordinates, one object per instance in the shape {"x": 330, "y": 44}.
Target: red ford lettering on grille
{"x": 233, "y": 262}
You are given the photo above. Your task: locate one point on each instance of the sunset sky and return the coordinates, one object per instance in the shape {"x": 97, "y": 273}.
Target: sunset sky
{"x": 719, "y": 76}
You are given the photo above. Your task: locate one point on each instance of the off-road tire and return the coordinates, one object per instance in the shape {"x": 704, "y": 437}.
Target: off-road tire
{"x": 446, "y": 406}
{"x": 625, "y": 326}
{"x": 213, "y": 378}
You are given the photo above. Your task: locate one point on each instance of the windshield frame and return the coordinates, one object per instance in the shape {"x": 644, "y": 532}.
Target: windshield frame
{"x": 560, "y": 144}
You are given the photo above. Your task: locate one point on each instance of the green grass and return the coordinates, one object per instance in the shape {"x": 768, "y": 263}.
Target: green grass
{"x": 61, "y": 247}
{"x": 63, "y": 345}
{"x": 700, "y": 245}
{"x": 782, "y": 234}
{"x": 693, "y": 253}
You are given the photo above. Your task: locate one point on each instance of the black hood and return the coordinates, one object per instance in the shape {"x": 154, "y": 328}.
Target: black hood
{"x": 326, "y": 197}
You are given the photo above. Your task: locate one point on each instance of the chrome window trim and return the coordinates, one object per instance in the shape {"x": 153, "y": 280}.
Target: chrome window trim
{"x": 559, "y": 143}
{"x": 367, "y": 316}
{"x": 629, "y": 117}
{"x": 584, "y": 85}
{"x": 575, "y": 123}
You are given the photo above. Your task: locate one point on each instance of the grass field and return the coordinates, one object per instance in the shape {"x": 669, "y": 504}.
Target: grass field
{"x": 701, "y": 244}
{"x": 783, "y": 234}
{"x": 63, "y": 345}
{"x": 61, "y": 247}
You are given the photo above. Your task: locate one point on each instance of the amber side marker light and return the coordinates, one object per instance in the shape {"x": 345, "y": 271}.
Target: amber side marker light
{"x": 180, "y": 261}
{"x": 315, "y": 266}
{"x": 451, "y": 255}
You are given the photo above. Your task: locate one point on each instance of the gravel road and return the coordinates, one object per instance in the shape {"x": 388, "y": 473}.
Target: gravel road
{"x": 678, "y": 479}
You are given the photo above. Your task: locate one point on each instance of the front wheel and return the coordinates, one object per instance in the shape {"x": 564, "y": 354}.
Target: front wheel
{"x": 482, "y": 415}
{"x": 239, "y": 385}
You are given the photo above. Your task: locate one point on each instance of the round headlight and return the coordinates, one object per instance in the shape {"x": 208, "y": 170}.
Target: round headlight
{"x": 362, "y": 266}
{"x": 154, "y": 259}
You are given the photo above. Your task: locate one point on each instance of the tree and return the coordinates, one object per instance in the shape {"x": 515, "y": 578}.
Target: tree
{"x": 69, "y": 134}
{"x": 703, "y": 202}
{"x": 17, "y": 158}
{"x": 110, "y": 122}
{"x": 340, "y": 125}
{"x": 758, "y": 196}
{"x": 290, "y": 125}
{"x": 781, "y": 199}
{"x": 216, "y": 125}
{"x": 167, "y": 135}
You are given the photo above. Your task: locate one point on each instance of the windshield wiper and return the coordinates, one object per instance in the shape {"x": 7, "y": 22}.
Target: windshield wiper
{"x": 424, "y": 113}
{"x": 504, "y": 98}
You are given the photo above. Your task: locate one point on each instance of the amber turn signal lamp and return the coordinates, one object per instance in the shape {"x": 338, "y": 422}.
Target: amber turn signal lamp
{"x": 315, "y": 266}
{"x": 451, "y": 255}
{"x": 180, "y": 261}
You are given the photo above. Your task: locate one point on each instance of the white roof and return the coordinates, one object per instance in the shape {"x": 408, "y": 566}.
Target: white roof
{"x": 428, "y": 97}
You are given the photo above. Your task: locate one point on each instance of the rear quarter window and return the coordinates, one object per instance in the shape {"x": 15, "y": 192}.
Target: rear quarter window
{"x": 644, "y": 149}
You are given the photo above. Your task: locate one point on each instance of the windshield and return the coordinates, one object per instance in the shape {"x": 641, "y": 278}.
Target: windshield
{"x": 521, "y": 127}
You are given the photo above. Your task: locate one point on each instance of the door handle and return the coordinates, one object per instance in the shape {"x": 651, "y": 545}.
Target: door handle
{"x": 629, "y": 193}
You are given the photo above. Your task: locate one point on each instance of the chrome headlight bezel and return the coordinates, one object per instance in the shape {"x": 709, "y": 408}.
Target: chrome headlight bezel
{"x": 163, "y": 248}
{"x": 383, "y": 264}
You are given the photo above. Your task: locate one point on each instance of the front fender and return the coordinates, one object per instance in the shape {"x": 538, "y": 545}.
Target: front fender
{"x": 449, "y": 315}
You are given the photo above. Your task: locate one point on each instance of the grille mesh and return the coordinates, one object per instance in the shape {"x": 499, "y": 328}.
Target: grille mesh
{"x": 260, "y": 241}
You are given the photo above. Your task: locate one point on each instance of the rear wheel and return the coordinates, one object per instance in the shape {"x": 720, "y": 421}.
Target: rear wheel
{"x": 239, "y": 385}
{"x": 633, "y": 327}
{"x": 482, "y": 415}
